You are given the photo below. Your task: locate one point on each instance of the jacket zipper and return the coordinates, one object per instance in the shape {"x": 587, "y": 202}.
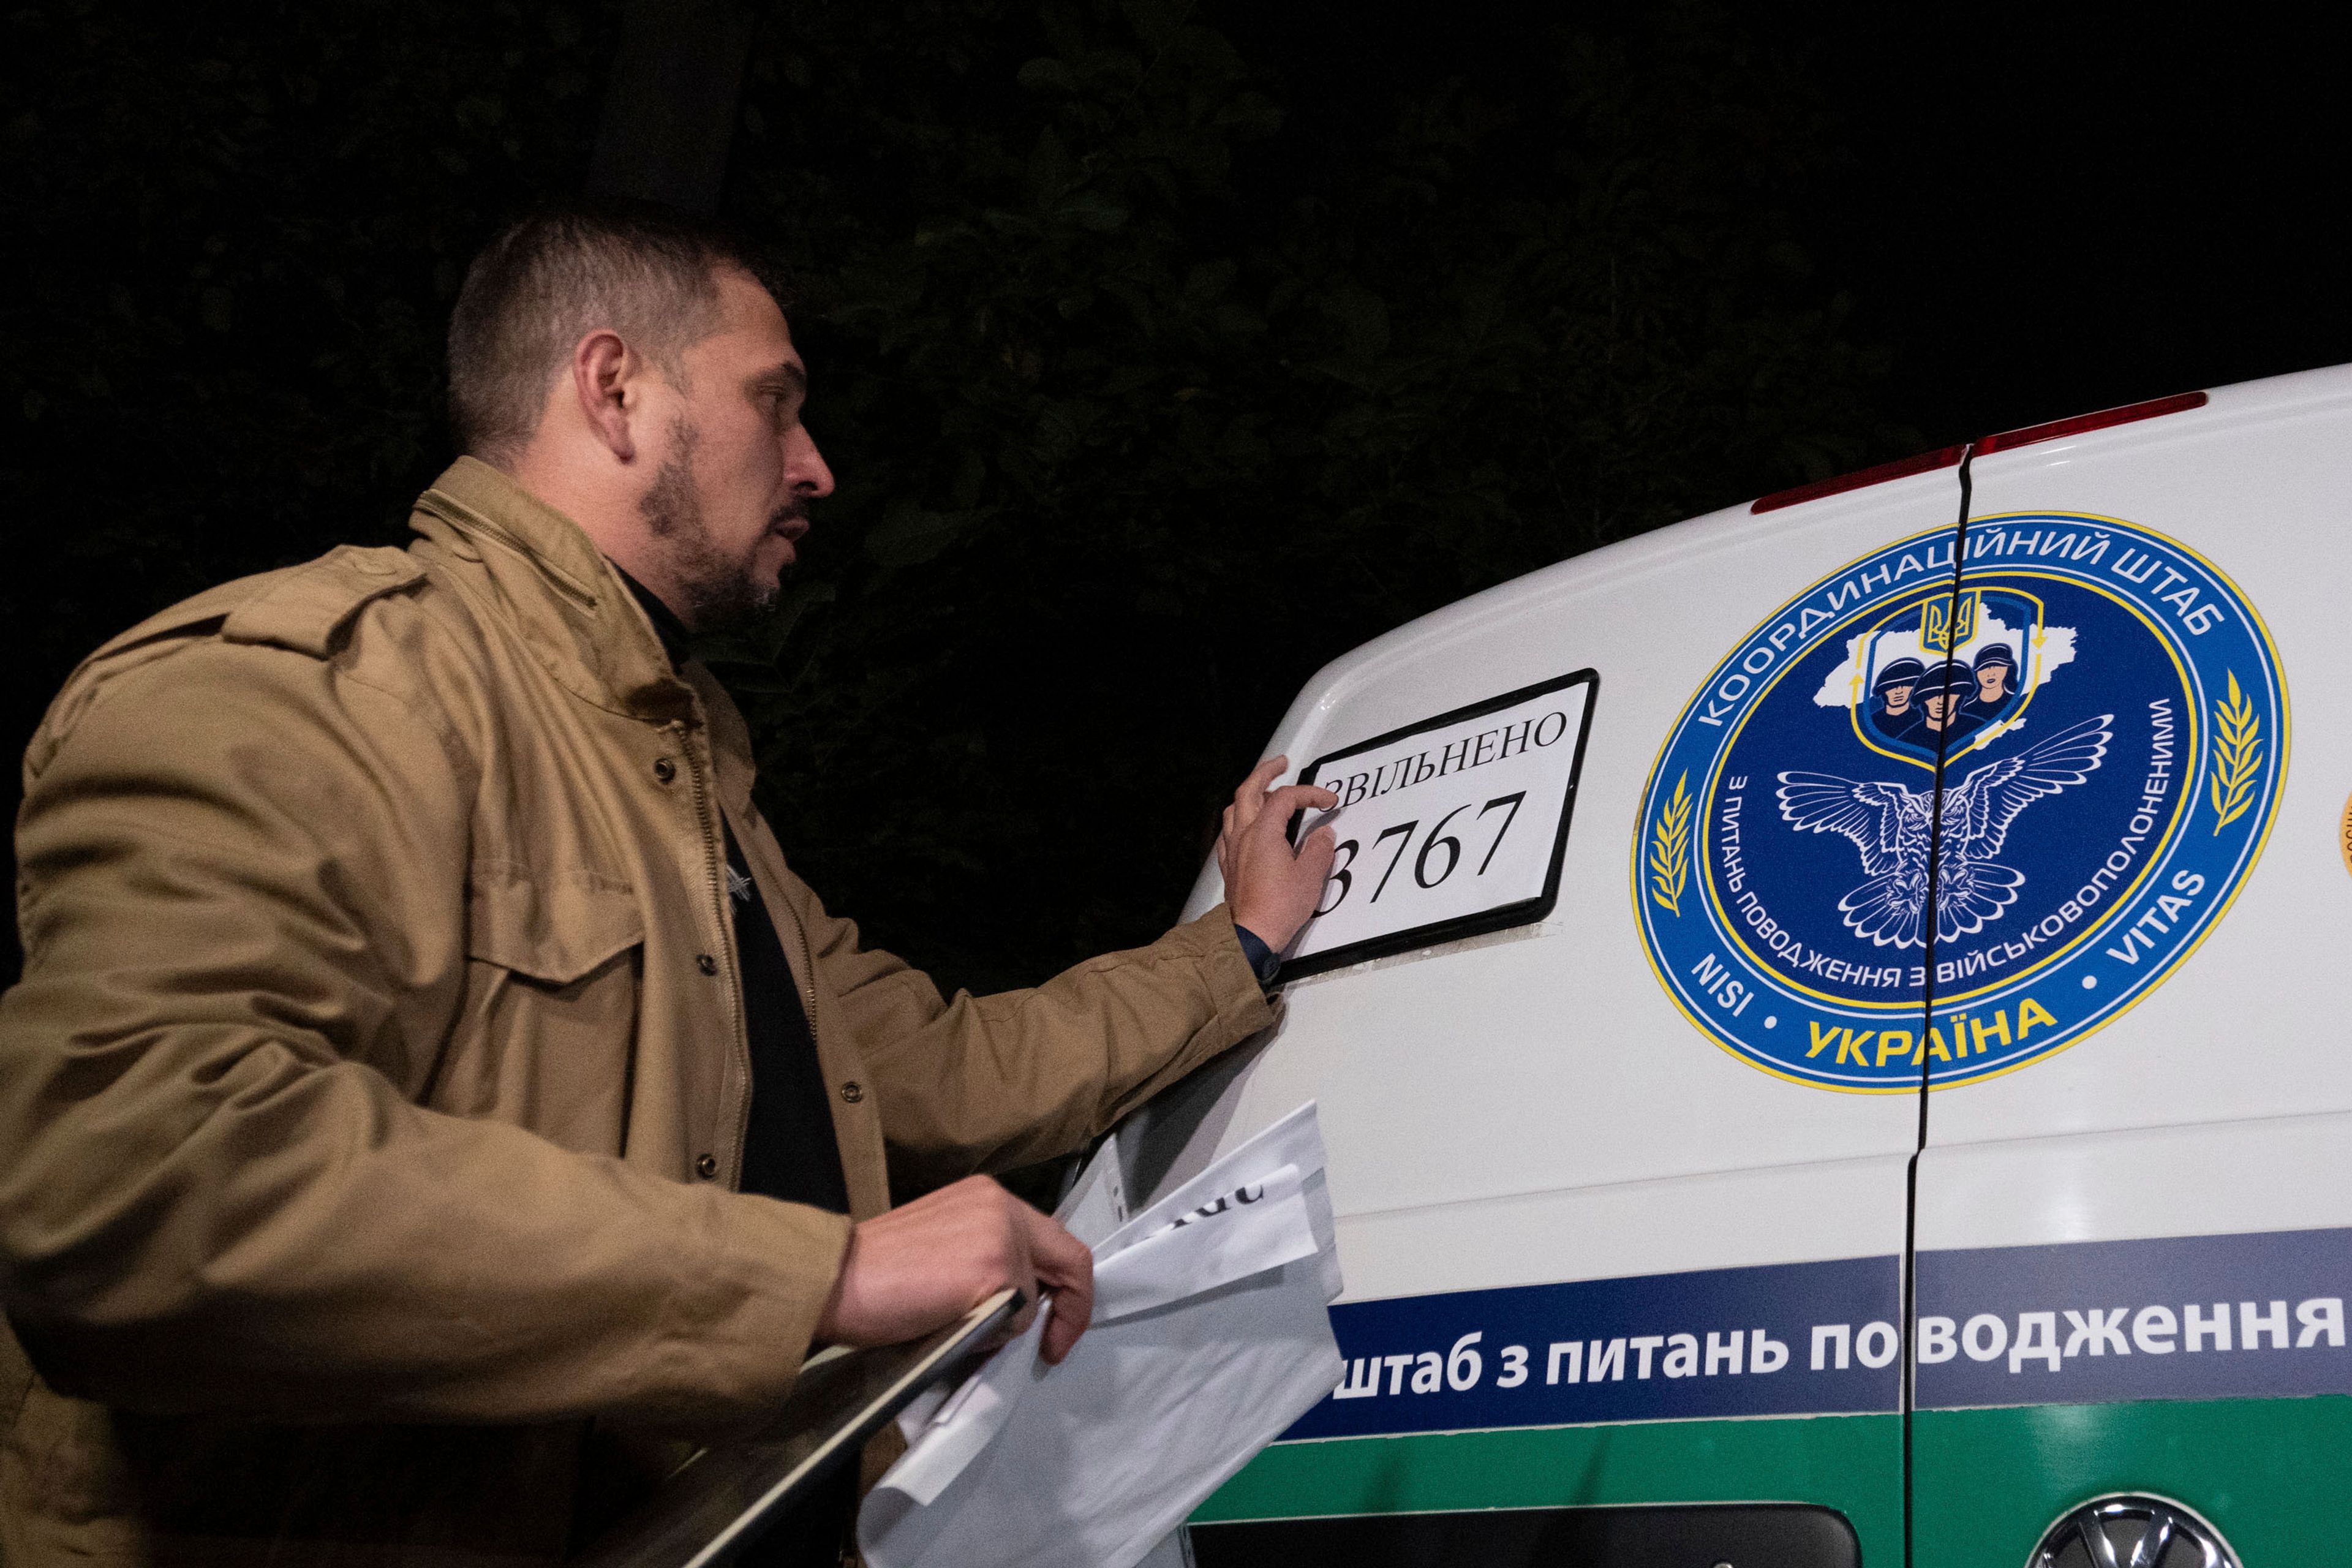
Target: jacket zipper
{"x": 713, "y": 852}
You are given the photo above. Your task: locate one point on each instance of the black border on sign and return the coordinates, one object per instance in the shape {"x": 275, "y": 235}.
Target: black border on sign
{"x": 1502, "y": 916}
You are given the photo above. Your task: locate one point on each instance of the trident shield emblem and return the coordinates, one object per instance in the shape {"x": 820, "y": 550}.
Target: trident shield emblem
{"x": 1941, "y": 629}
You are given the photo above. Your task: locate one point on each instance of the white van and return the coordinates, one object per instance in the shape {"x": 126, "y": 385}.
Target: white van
{"x": 1892, "y": 890}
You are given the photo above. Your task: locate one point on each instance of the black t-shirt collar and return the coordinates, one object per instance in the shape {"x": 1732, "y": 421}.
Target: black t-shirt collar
{"x": 672, "y": 631}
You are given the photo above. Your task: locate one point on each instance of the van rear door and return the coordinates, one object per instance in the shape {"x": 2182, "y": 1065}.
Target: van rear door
{"x": 2135, "y": 1208}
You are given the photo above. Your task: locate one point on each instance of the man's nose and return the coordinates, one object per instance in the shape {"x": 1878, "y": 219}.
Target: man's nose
{"x": 805, "y": 466}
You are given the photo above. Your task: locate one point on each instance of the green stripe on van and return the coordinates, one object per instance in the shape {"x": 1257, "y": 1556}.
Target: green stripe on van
{"x": 2270, "y": 1473}
{"x": 1850, "y": 1463}
{"x": 2273, "y": 1475}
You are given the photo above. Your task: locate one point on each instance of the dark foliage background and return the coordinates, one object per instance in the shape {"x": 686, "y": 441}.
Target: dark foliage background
{"x": 1133, "y": 435}
{"x": 1164, "y": 351}
{"x": 1128, "y": 452}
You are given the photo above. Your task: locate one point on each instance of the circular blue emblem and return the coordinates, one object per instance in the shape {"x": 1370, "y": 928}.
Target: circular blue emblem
{"x": 2023, "y": 798}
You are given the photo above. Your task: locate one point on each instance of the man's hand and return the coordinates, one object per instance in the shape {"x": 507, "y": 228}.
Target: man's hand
{"x": 1270, "y": 888}
{"x": 924, "y": 1266}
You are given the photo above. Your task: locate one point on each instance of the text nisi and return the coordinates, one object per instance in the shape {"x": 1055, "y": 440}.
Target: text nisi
{"x": 1751, "y": 1352}
{"x": 2154, "y": 1330}
{"x": 1454, "y": 757}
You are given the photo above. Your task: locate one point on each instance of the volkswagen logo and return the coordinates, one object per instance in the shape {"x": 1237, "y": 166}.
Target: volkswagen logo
{"x": 2133, "y": 1532}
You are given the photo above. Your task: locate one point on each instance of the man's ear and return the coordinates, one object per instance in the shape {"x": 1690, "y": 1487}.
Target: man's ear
{"x": 604, "y": 370}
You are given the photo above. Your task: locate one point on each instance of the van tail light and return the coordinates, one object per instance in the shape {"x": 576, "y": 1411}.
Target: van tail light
{"x": 1902, "y": 468}
{"x": 2129, "y": 411}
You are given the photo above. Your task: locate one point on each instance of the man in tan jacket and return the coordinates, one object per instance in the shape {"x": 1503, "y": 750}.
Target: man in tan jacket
{"x": 427, "y": 1077}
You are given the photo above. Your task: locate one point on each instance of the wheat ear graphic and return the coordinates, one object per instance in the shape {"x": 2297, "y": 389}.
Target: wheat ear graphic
{"x": 1670, "y": 848}
{"x": 2237, "y": 755}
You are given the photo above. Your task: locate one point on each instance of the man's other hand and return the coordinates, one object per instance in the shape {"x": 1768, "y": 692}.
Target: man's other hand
{"x": 923, "y": 1266}
{"x": 1270, "y": 888}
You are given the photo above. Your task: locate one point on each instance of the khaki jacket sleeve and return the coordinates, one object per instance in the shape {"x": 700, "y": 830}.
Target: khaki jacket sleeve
{"x": 241, "y": 884}
{"x": 986, "y": 1083}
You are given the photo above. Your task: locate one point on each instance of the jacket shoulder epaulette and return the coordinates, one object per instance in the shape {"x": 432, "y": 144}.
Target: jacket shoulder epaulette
{"x": 306, "y": 608}
{"x": 303, "y": 608}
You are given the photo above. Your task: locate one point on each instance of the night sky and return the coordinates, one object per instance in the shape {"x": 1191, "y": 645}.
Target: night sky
{"x": 2041, "y": 210}
{"x": 241, "y": 255}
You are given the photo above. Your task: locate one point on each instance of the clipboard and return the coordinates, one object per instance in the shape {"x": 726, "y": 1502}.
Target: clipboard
{"x": 718, "y": 1503}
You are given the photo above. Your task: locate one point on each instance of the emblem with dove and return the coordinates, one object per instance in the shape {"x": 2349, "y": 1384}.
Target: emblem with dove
{"x": 1930, "y": 820}
{"x": 1892, "y": 827}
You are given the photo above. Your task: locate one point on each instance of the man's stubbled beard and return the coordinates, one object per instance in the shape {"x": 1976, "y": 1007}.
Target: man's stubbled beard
{"x": 718, "y": 593}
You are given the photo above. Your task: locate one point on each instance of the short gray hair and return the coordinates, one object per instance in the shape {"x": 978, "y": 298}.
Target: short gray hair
{"x": 550, "y": 278}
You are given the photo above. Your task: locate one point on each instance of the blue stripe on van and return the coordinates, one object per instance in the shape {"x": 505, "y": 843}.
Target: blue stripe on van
{"x": 2088, "y": 1322}
{"x": 2200, "y": 1317}
{"x": 1651, "y": 1337}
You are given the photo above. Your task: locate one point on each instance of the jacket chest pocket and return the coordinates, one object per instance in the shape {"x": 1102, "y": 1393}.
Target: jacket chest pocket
{"x": 547, "y": 1033}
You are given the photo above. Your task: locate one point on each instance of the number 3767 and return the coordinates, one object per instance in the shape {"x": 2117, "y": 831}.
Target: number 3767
{"x": 1342, "y": 882}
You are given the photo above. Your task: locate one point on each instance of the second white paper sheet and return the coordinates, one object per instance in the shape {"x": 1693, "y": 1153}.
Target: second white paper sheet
{"x": 1210, "y": 1336}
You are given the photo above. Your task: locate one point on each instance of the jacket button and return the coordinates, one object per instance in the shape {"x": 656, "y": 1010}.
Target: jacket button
{"x": 707, "y": 1167}
{"x": 705, "y": 962}
{"x": 663, "y": 770}
{"x": 852, "y": 1092}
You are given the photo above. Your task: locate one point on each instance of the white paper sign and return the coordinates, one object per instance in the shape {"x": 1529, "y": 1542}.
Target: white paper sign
{"x": 1210, "y": 1338}
{"x": 1447, "y": 827}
